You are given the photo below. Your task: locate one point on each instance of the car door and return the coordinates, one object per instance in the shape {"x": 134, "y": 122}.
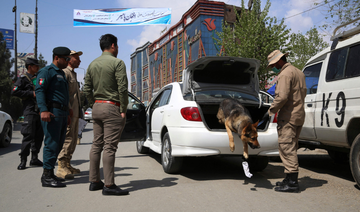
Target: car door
{"x": 311, "y": 73}
{"x": 157, "y": 111}
{"x": 135, "y": 127}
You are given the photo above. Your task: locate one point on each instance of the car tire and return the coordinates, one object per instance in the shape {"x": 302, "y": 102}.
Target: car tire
{"x": 171, "y": 165}
{"x": 6, "y": 135}
{"x": 355, "y": 159}
{"x": 141, "y": 149}
{"x": 339, "y": 157}
{"x": 258, "y": 163}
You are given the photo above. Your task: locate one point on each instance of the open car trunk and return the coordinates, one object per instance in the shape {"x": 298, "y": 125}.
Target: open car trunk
{"x": 209, "y": 110}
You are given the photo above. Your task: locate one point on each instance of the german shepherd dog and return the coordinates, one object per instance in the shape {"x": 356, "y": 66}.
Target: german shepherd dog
{"x": 237, "y": 119}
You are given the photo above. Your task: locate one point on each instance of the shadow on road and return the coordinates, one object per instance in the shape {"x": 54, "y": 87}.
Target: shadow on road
{"x": 83, "y": 177}
{"x": 136, "y": 185}
{"x": 11, "y": 148}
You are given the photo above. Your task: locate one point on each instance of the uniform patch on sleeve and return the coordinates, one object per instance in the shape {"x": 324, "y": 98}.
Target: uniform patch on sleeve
{"x": 41, "y": 81}
{"x": 15, "y": 88}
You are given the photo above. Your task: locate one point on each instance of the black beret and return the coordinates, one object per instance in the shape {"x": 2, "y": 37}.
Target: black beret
{"x": 63, "y": 51}
{"x": 31, "y": 61}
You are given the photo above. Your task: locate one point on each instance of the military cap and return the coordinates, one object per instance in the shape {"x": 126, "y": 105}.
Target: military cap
{"x": 61, "y": 50}
{"x": 75, "y": 52}
{"x": 31, "y": 61}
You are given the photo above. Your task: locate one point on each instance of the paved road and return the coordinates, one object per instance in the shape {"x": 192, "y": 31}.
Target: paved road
{"x": 206, "y": 184}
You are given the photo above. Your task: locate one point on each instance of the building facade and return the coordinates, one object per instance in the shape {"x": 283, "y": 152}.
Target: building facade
{"x": 156, "y": 64}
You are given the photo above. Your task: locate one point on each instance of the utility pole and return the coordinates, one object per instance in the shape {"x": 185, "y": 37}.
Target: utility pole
{"x": 15, "y": 66}
{"x": 36, "y": 29}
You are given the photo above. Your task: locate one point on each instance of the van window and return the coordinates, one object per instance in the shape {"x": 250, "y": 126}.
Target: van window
{"x": 336, "y": 65}
{"x": 312, "y": 77}
{"x": 353, "y": 64}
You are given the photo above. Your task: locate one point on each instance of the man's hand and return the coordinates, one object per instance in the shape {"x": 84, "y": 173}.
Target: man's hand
{"x": 68, "y": 120}
{"x": 34, "y": 94}
{"x": 46, "y": 116}
{"x": 122, "y": 115}
{"x": 71, "y": 113}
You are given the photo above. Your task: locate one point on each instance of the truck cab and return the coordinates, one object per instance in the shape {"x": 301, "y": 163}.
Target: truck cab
{"x": 332, "y": 103}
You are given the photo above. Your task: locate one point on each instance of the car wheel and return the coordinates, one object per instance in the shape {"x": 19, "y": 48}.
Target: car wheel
{"x": 6, "y": 135}
{"x": 141, "y": 148}
{"x": 355, "y": 159}
{"x": 170, "y": 164}
{"x": 339, "y": 157}
{"x": 257, "y": 163}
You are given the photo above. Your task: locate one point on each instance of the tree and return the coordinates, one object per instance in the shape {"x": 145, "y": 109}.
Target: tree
{"x": 340, "y": 12}
{"x": 254, "y": 35}
{"x": 42, "y": 62}
{"x": 10, "y": 104}
{"x": 303, "y": 47}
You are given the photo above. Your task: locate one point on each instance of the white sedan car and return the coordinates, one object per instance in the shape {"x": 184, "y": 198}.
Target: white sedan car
{"x": 181, "y": 119}
{"x": 6, "y": 127}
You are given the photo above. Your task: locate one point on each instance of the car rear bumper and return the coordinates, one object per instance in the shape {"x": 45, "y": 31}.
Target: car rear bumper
{"x": 202, "y": 142}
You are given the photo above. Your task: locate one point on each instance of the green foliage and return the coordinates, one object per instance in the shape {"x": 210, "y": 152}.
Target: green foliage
{"x": 255, "y": 35}
{"x": 42, "y": 62}
{"x": 341, "y": 11}
{"x": 10, "y": 104}
{"x": 303, "y": 47}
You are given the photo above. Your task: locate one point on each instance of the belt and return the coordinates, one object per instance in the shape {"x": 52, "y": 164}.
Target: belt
{"x": 58, "y": 106}
{"x": 109, "y": 102}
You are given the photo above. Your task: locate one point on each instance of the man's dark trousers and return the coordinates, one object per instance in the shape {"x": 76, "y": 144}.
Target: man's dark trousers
{"x": 55, "y": 132}
{"x": 32, "y": 135}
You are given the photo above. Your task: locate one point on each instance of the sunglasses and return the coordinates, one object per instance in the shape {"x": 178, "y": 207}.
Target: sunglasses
{"x": 67, "y": 59}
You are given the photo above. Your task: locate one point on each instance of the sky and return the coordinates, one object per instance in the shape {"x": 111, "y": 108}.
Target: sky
{"x": 55, "y": 25}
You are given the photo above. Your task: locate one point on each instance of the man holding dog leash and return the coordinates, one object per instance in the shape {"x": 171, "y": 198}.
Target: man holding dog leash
{"x": 289, "y": 100}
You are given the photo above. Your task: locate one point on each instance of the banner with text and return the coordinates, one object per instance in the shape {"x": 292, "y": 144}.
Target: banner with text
{"x": 8, "y": 36}
{"x": 122, "y": 17}
{"x": 27, "y": 23}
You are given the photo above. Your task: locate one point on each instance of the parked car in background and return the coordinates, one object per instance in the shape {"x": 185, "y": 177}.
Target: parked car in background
{"x": 88, "y": 115}
{"x": 181, "y": 119}
{"x": 6, "y": 128}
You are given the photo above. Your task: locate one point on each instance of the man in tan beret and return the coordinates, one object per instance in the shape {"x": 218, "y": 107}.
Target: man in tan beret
{"x": 289, "y": 99}
{"x": 65, "y": 170}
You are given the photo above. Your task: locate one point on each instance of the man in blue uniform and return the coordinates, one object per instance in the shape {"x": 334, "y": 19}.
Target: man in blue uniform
{"x": 52, "y": 95}
{"x": 31, "y": 129}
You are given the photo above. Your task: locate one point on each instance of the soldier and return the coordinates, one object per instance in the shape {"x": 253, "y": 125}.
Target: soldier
{"x": 52, "y": 94}
{"x": 31, "y": 129}
{"x": 65, "y": 170}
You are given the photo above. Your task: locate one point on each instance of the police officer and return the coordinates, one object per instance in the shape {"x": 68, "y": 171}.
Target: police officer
{"x": 52, "y": 95}
{"x": 31, "y": 129}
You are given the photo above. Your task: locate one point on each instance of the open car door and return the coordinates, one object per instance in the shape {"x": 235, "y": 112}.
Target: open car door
{"x": 135, "y": 127}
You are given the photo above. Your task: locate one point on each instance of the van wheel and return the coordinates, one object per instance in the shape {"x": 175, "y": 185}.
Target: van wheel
{"x": 355, "y": 159}
{"x": 171, "y": 165}
{"x": 339, "y": 157}
{"x": 6, "y": 135}
{"x": 141, "y": 149}
{"x": 258, "y": 163}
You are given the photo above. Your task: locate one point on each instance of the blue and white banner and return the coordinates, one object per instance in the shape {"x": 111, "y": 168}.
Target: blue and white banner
{"x": 122, "y": 17}
{"x": 8, "y": 36}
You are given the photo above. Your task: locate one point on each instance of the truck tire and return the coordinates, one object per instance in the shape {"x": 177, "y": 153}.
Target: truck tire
{"x": 258, "y": 163}
{"x": 355, "y": 159}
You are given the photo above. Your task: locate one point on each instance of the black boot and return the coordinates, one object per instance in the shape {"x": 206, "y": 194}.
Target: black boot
{"x": 284, "y": 182}
{"x": 48, "y": 180}
{"x": 22, "y": 164}
{"x": 291, "y": 186}
{"x": 35, "y": 161}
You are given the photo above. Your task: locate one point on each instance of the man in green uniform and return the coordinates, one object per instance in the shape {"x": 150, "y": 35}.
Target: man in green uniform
{"x": 52, "y": 95}
{"x": 106, "y": 83}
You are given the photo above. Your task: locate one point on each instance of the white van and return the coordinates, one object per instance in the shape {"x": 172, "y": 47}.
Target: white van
{"x": 332, "y": 103}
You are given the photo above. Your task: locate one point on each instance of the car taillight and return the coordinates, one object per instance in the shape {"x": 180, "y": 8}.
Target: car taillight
{"x": 191, "y": 113}
{"x": 86, "y": 113}
{"x": 275, "y": 118}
